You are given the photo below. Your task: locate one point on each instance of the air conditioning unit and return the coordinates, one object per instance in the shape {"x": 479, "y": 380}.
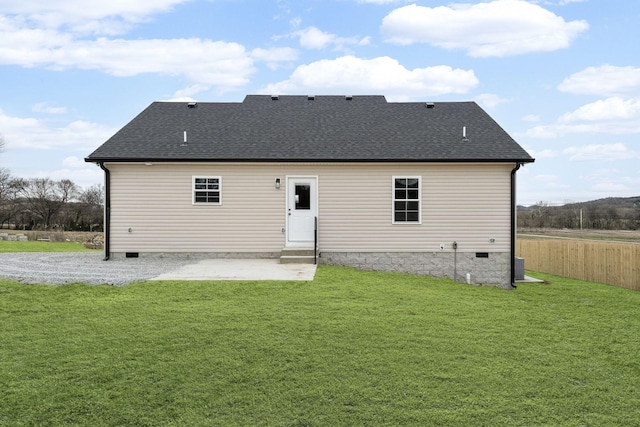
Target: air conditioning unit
{"x": 519, "y": 268}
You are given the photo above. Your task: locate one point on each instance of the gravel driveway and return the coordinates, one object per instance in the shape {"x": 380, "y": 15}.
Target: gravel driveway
{"x": 85, "y": 267}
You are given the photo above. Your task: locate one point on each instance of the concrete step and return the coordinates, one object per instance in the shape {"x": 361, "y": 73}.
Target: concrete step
{"x": 296, "y": 256}
{"x": 296, "y": 251}
{"x": 296, "y": 259}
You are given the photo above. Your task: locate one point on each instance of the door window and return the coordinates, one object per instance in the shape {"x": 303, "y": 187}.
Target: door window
{"x": 303, "y": 197}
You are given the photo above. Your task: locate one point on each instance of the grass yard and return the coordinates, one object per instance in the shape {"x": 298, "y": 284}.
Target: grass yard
{"x": 36, "y": 246}
{"x": 350, "y": 348}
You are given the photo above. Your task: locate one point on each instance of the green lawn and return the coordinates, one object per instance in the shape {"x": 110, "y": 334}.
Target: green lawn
{"x": 350, "y": 348}
{"x": 36, "y": 246}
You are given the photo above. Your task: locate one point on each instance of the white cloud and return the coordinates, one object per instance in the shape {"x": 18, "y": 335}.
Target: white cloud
{"x": 314, "y": 38}
{"x": 531, "y": 118}
{"x": 177, "y": 98}
{"x": 379, "y": 1}
{"x": 612, "y": 115}
{"x": 382, "y": 75}
{"x": 295, "y": 22}
{"x": 490, "y": 29}
{"x": 43, "y": 107}
{"x": 221, "y": 64}
{"x": 48, "y": 35}
{"x": 100, "y": 17}
{"x": 491, "y": 100}
{"x": 202, "y": 61}
{"x": 606, "y": 80}
{"x": 85, "y": 176}
{"x": 558, "y": 130}
{"x": 279, "y": 54}
{"x": 33, "y": 133}
{"x": 74, "y": 162}
{"x": 77, "y": 9}
{"x": 612, "y": 182}
{"x": 543, "y": 154}
{"x": 186, "y": 94}
{"x": 605, "y": 110}
{"x": 612, "y": 188}
{"x": 275, "y": 57}
{"x": 565, "y": 2}
{"x": 601, "y": 152}
{"x": 550, "y": 181}
{"x": 23, "y": 45}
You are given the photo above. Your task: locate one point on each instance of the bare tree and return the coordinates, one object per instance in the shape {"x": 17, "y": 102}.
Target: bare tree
{"x": 45, "y": 197}
{"x": 93, "y": 196}
{"x": 67, "y": 190}
{"x": 2, "y": 143}
{"x": 9, "y": 203}
{"x": 91, "y": 205}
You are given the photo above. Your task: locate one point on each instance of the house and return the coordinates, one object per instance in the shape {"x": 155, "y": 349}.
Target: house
{"x": 418, "y": 187}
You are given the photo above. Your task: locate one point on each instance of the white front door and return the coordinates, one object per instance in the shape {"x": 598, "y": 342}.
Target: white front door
{"x": 302, "y": 210}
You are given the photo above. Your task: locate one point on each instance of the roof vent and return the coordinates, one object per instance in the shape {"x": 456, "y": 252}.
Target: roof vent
{"x": 430, "y": 105}
{"x": 311, "y": 97}
{"x": 464, "y": 134}
{"x": 274, "y": 97}
{"x": 348, "y": 97}
{"x": 192, "y": 104}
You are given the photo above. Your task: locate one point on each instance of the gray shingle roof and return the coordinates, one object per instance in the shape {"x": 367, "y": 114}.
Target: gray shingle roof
{"x": 296, "y": 128}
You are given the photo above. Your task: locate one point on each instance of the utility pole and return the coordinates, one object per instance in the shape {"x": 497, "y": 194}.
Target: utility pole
{"x": 580, "y": 219}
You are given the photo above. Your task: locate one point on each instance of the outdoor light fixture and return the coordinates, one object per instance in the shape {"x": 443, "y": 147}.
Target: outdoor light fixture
{"x": 277, "y": 183}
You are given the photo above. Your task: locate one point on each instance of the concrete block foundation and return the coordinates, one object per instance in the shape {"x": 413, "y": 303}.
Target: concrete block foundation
{"x": 483, "y": 268}
{"x": 195, "y": 255}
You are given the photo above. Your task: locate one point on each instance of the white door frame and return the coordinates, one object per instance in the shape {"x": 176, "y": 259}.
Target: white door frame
{"x": 300, "y": 223}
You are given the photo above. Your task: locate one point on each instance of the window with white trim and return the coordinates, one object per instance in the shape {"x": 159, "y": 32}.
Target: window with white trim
{"x": 207, "y": 190}
{"x": 406, "y": 200}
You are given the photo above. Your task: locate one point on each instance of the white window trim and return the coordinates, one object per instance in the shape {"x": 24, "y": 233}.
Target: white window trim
{"x": 393, "y": 199}
{"x": 193, "y": 190}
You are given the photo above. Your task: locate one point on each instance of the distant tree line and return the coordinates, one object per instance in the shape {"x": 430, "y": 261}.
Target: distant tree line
{"x": 604, "y": 214}
{"x": 46, "y": 204}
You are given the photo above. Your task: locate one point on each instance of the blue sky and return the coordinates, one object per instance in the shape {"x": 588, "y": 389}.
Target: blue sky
{"x": 561, "y": 76}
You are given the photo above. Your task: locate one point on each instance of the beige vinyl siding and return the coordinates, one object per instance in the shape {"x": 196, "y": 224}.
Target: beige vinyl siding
{"x": 467, "y": 203}
{"x": 156, "y": 203}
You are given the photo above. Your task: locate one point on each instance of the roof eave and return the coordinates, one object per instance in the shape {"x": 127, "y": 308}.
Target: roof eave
{"x": 299, "y": 160}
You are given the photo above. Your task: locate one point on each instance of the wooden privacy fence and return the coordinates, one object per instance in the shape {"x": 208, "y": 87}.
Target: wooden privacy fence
{"x": 615, "y": 264}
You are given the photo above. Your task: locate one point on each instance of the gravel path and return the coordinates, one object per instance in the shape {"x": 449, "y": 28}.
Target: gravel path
{"x": 85, "y": 267}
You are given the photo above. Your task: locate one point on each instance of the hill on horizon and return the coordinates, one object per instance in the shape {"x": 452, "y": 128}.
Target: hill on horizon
{"x": 615, "y": 202}
{"x": 610, "y": 213}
